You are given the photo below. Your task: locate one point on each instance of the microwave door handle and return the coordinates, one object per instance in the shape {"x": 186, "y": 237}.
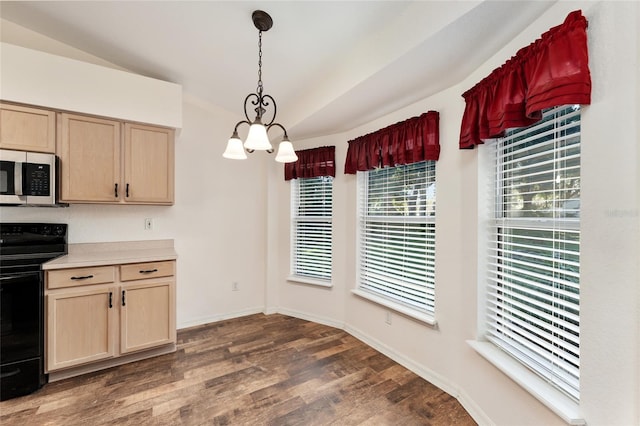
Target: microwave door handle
{"x": 17, "y": 176}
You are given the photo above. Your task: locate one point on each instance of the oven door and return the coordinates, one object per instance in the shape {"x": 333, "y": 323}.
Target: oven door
{"x": 21, "y": 319}
{"x": 11, "y": 177}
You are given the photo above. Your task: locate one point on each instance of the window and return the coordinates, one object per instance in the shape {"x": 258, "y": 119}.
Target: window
{"x": 533, "y": 289}
{"x": 397, "y": 235}
{"x": 312, "y": 209}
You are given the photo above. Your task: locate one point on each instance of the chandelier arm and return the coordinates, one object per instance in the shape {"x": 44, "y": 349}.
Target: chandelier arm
{"x": 269, "y": 126}
{"x": 235, "y": 129}
{"x": 265, "y": 102}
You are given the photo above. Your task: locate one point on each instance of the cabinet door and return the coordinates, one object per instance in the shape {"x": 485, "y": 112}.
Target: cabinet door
{"x": 148, "y": 164}
{"x": 27, "y": 129}
{"x": 147, "y": 314}
{"x": 89, "y": 150}
{"x": 80, "y": 327}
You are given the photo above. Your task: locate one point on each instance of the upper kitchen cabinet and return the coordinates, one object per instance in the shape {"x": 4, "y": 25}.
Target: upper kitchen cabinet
{"x": 27, "y": 128}
{"x": 89, "y": 151}
{"x": 100, "y": 163}
{"x": 148, "y": 164}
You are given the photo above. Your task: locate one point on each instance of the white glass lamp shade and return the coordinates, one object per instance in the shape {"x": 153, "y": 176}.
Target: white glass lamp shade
{"x": 235, "y": 150}
{"x": 257, "y": 138}
{"x": 286, "y": 154}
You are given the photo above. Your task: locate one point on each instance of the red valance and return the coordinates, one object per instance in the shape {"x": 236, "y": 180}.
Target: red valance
{"x": 410, "y": 141}
{"x": 552, "y": 71}
{"x": 312, "y": 162}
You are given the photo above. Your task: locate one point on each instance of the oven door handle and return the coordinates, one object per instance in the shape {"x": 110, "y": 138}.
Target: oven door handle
{"x": 13, "y": 372}
{"x": 19, "y": 277}
{"x": 17, "y": 178}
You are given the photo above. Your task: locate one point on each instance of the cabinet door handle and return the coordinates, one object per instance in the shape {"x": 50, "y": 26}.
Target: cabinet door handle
{"x": 149, "y": 271}
{"x": 110, "y": 299}
{"x": 123, "y": 301}
{"x": 85, "y": 277}
{"x": 126, "y": 194}
{"x": 116, "y": 190}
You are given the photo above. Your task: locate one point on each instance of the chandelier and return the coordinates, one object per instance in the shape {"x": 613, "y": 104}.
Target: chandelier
{"x": 257, "y": 139}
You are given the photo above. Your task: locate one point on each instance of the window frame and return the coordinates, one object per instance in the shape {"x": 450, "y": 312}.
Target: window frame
{"x": 297, "y": 271}
{"x": 560, "y": 401}
{"x": 363, "y": 288}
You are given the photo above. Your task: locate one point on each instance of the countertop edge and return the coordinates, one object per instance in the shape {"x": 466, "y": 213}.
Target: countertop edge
{"x": 116, "y": 253}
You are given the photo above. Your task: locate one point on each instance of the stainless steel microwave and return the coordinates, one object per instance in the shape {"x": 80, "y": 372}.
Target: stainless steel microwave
{"x": 27, "y": 178}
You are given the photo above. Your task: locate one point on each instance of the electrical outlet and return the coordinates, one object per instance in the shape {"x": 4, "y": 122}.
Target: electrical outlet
{"x": 234, "y": 286}
{"x": 148, "y": 224}
{"x": 388, "y": 318}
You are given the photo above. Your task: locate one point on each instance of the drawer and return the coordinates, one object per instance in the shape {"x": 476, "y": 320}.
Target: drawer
{"x": 141, "y": 271}
{"x": 75, "y": 277}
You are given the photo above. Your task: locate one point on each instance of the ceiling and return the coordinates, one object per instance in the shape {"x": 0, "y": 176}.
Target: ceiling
{"x": 330, "y": 65}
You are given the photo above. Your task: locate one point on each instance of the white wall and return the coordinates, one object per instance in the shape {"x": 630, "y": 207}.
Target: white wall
{"x": 610, "y": 298}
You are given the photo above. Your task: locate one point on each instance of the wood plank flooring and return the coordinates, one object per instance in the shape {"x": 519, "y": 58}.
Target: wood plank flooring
{"x": 254, "y": 370}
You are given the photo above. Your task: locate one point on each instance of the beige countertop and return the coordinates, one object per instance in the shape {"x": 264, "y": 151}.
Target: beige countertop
{"x": 114, "y": 253}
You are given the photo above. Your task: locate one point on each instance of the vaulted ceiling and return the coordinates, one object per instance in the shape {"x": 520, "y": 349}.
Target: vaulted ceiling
{"x": 330, "y": 65}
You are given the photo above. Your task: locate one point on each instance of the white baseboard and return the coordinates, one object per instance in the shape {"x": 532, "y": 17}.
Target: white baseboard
{"x": 420, "y": 370}
{"x": 215, "y": 318}
{"x": 474, "y": 410}
{"x": 429, "y": 375}
{"x": 313, "y": 318}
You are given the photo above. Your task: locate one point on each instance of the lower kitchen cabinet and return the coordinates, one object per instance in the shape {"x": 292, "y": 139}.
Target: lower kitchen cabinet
{"x": 102, "y": 313}
{"x": 80, "y": 327}
{"x": 147, "y": 317}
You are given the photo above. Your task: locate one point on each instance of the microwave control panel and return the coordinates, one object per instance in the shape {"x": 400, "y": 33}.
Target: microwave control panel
{"x": 37, "y": 178}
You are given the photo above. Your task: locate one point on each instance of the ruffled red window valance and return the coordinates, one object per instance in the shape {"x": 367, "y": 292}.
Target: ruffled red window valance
{"x": 410, "y": 141}
{"x": 552, "y": 71}
{"x": 312, "y": 162}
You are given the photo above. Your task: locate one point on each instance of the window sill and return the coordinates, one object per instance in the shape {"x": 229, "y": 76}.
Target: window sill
{"x": 307, "y": 280}
{"x": 556, "y": 401}
{"x": 425, "y": 318}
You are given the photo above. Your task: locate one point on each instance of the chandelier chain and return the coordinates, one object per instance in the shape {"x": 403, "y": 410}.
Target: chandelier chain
{"x": 259, "y": 89}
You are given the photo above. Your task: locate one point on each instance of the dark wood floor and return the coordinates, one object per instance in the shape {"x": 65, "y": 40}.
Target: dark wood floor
{"x": 255, "y": 370}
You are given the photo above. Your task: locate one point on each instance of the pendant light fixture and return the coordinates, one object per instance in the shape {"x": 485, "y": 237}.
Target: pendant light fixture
{"x": 257, "y": 139}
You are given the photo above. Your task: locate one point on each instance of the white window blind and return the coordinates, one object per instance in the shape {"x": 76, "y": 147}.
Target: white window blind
{"x": 312, "y": 210}
{"x": 533, "y": 310}
{"x": 397, "y": 234}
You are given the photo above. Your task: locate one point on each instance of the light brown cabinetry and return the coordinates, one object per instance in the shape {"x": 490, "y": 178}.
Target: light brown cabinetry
{"x": 107, "y": 161}
{"x": 148, "y": 164}
{"x": 147, "y": 314}
{"x": 80, "y": 327}
{"x": 107, "y": 312}
{"x": 89, "y": 151}
{"x": 27, "y": 128}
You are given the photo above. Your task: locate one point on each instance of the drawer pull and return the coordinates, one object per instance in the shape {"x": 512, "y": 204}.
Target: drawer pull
{"x": 149, "y": 271}
{"x": 85, "y": 277}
